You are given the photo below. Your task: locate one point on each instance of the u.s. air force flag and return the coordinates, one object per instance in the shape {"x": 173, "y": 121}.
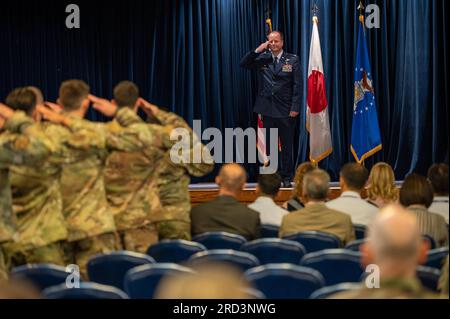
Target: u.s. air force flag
{"x": 366, "y": 139}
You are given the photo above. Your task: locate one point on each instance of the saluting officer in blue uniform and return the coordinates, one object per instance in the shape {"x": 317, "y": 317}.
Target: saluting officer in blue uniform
{"x": 278, "y": 99}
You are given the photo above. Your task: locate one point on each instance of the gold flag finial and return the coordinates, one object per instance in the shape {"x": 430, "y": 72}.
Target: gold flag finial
{"x": 315, "y": 11}
{"x": 361, "y": 15}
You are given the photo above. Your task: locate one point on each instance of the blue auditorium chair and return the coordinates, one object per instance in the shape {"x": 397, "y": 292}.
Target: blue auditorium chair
{"x": 253, "y": 293}
{"x": 87, "y": 290}
{"x": 315, "y": 240}
{"x": 436, "y": 257}
{"x": 240, "y": 259}
{"x": 285, "y": 281}
{"x": 110, "y": 269}
{"x": 360, "y": 231}
{"x": 336, "y": 265}
{"x": 430, "y": 240}
{"x": 141, "y": 282}
{"x": 275, "y": 250}
{"x": 269, "y": 231}
{"x": 174, "y": 251}
{"x": 429, "y": 277}
{"x": 41, "y": 275}
{"x": 220, "y": 240}
{"x": 328, "y": 291}
{"x": 354, "y": 245}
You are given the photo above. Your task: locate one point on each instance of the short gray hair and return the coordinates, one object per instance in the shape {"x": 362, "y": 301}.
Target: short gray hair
{"x": 316, "y": 184}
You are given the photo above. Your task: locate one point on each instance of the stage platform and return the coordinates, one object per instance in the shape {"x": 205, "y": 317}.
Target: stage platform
{"x": 201, "y": 193}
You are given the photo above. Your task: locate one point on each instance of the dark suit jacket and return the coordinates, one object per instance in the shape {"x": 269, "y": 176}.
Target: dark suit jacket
{"x": 278, "y": 87}
{"x": 225, "y": 213}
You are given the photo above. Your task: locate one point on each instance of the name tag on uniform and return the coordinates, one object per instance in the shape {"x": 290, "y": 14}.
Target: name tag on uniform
{"x": 287, "y": 68}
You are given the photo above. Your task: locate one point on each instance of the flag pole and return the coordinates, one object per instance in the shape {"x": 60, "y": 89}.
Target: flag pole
{"x": 315, "y": 19}
{"x": 361, "y": 19}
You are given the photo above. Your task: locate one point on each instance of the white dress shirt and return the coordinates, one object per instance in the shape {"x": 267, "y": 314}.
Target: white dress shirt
{"x": 277, "y": 56}
{"x": 269, "y": 212}
{"x": 440, "y": 206}
{"x": 352, "y": 204}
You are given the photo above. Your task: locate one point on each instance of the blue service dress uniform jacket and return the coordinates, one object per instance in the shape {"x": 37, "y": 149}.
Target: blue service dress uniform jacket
{"x": 278, "y": 86}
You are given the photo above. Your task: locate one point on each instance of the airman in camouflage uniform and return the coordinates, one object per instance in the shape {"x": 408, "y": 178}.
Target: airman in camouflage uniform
{"x": 174, "y": 178}
{"x": 35, "y": 194}
{"x": 136, "y": 149}
{"x": 15, "y": 148}
{"x": 89, "y": 219}
{"x": 395, "y": 245}
{"x": 139, "y": 170}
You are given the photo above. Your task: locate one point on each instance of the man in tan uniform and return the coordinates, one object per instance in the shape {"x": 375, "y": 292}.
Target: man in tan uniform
{"x": 395, "y": 246}
{"x": 316, "y": 215}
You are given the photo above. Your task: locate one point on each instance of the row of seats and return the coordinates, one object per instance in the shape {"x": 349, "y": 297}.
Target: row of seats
{"x": 272, "y": 281}
{"x": 290, "y": 249}
{"x": 271, "y": 231}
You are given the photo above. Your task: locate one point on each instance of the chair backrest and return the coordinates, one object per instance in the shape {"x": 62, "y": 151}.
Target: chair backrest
{"x": 253, "y": 293}
{"x": 430, "y": 240}
{"x": 174, "y": 250}
{"x": 285, "y": 281}
{"x": 315, "y": 240}
{"x": 354, "y": 245}
{"x": 429, "y": 277}
{"x": 328, "y": 291}
{"x": 436, "y": 257}
{"x": 240, "y": 259}
{"x": 41, "y": 275}
{"x": 110, "y": 269}
{"x": 141, "y": 282}
{"x": 360, "y": 231}
{"x": 220, "y": 240}
{"x": 336, "y": 265}
{"x": 87, "y": 290}
{"x": 269, "y": 231}
{"x": 275, "y": 250}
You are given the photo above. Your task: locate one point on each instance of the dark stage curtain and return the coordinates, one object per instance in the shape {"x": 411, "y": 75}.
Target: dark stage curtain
{"x": 185, "y": 55}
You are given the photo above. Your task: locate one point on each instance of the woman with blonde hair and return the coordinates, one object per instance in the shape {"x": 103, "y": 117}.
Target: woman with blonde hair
{"x": 382, "y": 189}
{"x": 295, "y": 203}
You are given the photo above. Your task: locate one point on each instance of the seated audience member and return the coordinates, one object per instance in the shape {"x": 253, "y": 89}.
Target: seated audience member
{"x": 438, "y": 177}
{"x": 417, "y": 195}
{"x": 295, "y": 203}
{"x": 266, "y": 190}
{"x": 18, "y": 289}
{"x": 353, "y": 178}
{"x": 381, "y": 189}
{"x": 209, "y": 281}
{"x": 443, "y": 280}
{"x": 316, "y": 215}
{"x": 225, "y": 213}
{"x": 395, "y": 245}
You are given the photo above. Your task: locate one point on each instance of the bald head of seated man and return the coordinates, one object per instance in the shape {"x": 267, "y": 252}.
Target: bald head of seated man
{"x": 395, "y": 243}
{"x": 225, "y": 213}
{"x": 394, "y": 248}
{"x": 231, "y": 179}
